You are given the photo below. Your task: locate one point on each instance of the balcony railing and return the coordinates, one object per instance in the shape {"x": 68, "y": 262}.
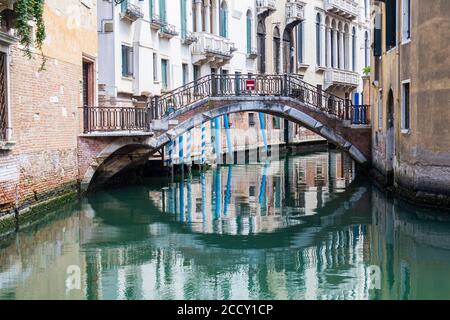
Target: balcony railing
{"x": 212, "y": 48}
{"x": 295, "y": 12}
{"x": 100, "y": 119}
{"x": 188, "y": 37}
{"x": 156, "y": 22}
{"x": 252, "y": 53}
{"x": 341, "y": 77}
{"x": 131, "y": 11}
{"x": 264, "y": 6}
{"x": 168, "y": 31}
{"x": 347, "y": 8}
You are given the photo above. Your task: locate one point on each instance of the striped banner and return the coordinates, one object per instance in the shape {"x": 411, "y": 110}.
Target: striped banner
{"x": 203, "y": 142}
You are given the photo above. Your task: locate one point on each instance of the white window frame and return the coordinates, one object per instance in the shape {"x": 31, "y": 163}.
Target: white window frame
{"x": 403, "y": 118}
{"x": 5, "y": 47}
{"x": 406, "y": 39}
{"x": 380, "y": 109}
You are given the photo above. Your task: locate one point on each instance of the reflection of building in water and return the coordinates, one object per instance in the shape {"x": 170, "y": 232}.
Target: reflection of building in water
{"x": 259, "y": 198}
{"x": 412, "y": 249}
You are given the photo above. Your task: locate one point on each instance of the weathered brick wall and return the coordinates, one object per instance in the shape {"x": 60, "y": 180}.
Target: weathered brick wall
{"x": 44, "y": 111}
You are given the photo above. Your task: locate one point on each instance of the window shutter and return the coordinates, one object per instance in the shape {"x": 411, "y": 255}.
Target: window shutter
{"x": 377, "y": 51}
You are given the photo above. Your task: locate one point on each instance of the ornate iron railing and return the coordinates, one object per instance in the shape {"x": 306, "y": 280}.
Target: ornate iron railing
{"x": 98, "y": 119}
{"x": 159, "y": 107}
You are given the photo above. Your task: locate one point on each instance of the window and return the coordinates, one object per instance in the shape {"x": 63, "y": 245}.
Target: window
{"x": 354, "y": 49}
{"x": 276, "y": 50}
{"x": 391, "y": 24}
{"x": 185, "y": 68}
{"x": 155, "y": 67}
{"x": 251, "y": 119}
{"x": 164, "y": 74}
{"x": 377, "y": 51}
{"x": 276, "y": 122}
{"x": 406, "y": 20}
{"x": 261, "y": 46}
{"x": 406, "y": 105}
{"x": 249, "y": 32}
{"x": 223, "y": 18}
{"x": 127, "y": 61}
{"x": 318, "y": 40}
{"x": 300, "y": 42}
{"x": 380, "y": 110}
{"x": 183, "y": 19}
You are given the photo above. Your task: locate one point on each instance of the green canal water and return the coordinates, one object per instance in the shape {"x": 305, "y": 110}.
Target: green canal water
{"x": 304, "y": 227}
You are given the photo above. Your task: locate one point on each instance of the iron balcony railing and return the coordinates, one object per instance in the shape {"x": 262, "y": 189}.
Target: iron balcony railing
{"x": 159, "y": 107}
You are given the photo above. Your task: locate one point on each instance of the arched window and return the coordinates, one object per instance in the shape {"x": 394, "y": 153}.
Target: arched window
{"x": 354, "y": 49}
{"x": 249, "y": 32}
{"x": 276, "y": 50}
{"x": 366, "y": 49}
{"x": 261, "y": 34}
{"x": 318, "y": 40}
{"x": 223, "y": 19}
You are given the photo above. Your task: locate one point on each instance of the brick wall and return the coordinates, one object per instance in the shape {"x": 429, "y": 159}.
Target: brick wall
{"x": 45, "y": 121}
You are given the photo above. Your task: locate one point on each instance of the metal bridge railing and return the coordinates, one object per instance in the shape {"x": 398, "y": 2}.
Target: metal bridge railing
{"x": 159, "y": 107}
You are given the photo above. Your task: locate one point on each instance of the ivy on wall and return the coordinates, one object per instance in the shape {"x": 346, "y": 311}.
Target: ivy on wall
{"x": 33, "y": 10}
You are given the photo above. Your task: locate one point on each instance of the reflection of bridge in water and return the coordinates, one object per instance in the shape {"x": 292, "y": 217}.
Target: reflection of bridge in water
{"x": 260, "y": 198}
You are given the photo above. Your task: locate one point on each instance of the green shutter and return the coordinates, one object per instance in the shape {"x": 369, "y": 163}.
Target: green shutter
{"x": 183, "y": 19}
{"x": 150, "y": 3}
{"x": 162, "y": 10}
{"x": 124, "y": 61}
{"x": 124, "y": 6}
{"x": 164, "y": 74}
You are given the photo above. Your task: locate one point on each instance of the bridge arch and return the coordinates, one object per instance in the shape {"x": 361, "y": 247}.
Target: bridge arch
{"x": 130, "y": 151}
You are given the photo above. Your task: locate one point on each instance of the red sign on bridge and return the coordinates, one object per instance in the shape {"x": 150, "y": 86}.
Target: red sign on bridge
{"x": 250, "y": 84}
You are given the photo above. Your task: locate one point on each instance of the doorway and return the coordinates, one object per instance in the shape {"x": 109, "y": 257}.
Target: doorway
{"x": 88, "y": 83}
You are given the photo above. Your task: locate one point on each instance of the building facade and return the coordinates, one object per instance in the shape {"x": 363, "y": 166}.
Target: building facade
{"x": 410, "y": 97}
{"x": 326, "y": 41}
{"x": 41, "y": 110}
{"x": 144, "y": 51}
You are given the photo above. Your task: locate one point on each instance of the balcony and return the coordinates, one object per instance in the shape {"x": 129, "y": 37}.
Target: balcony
{"x": 295, "y": 12}
{"x": 168, "y": 31}
{"x": 130, "y": 11}
{"x": 156, "y": 22}
{"x": 212, "y": 49}
{"x": 265, "y": 7}
{"x": 188, "y": 38}
{"x": 341, "y": 78}
{"x": 346, "y": 8}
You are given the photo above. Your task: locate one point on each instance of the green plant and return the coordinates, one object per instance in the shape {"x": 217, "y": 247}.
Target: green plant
{"x": 27, "y": 10}
{"x": 367, "y": 70}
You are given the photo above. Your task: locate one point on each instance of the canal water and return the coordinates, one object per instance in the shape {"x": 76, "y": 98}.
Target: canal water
{"x": 304, "y": 227}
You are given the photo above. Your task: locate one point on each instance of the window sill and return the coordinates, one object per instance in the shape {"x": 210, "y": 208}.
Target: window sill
{"x": 128, "y": 78}
{"x": 406, "y": 131}
{"x": 406, "y": 41}
{"x": 7, "y": 145}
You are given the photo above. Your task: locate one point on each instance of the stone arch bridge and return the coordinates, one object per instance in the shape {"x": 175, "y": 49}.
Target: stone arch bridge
{"x": 117, "y": 138}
